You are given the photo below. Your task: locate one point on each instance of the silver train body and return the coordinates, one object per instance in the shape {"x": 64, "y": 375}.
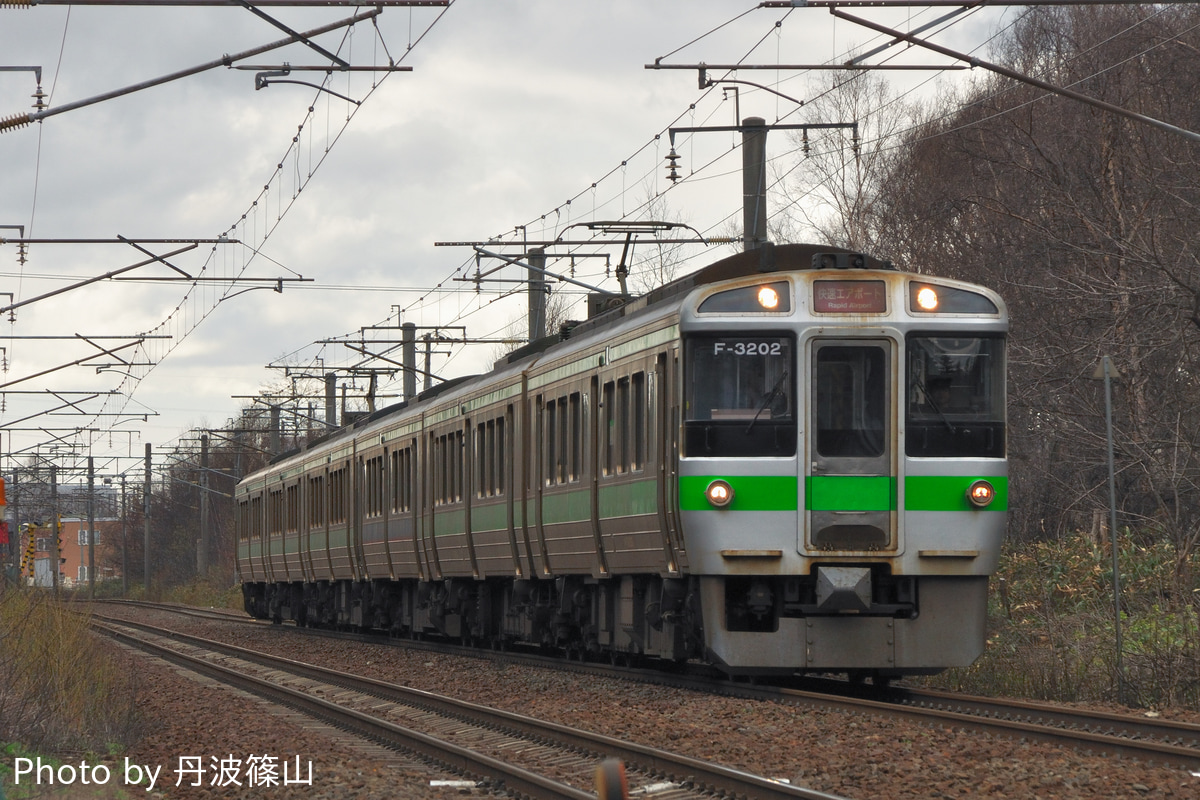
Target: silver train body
{"x": 791, "y": 461}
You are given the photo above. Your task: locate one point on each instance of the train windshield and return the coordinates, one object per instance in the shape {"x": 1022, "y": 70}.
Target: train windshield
{"x": 740, "y": 396}
{"x": 955, "y": 403}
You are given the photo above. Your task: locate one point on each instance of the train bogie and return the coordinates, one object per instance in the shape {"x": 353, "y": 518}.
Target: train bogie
{"x": 801, "y": 469}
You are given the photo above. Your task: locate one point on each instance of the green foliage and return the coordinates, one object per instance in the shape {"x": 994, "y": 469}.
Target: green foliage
{"x": 1052, "y": 624}
{"x": 205, "y": 594}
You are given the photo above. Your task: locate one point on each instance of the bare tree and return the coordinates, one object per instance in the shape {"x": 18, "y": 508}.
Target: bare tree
{"x": 1083, "y": 220}
{"x": 831, "y": 191}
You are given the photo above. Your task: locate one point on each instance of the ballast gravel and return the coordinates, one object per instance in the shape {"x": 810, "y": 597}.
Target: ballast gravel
{"x": 840, "y": 753}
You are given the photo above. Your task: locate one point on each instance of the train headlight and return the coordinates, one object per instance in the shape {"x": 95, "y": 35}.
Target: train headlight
{"x": 927, "y": 298}
{"x": 981, "y": 494}
{"x": 768, "y": 298}
{"x": 719, "y": 493}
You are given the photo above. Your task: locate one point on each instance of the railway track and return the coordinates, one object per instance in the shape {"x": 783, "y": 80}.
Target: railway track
{"x": 525, "y": 756}
{"x": 1151, "y": 740}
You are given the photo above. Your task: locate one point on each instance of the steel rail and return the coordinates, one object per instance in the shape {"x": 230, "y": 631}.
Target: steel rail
{"x": 1119, "y": 725}
{"x": 1014, "y": 718}
{"x": 707, "y": 776}
{"x": 1154, "y": 751}
{"x": 456, "y": 759}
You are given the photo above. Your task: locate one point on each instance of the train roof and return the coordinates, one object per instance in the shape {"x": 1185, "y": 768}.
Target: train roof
{"x": 614, "y": 311}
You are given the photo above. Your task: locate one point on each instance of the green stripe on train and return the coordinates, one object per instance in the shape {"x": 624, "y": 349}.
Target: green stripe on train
{"x": 949, "y": 492}
{"x": 841, "y": 492}
{"x": 750, "y": 492}
{"x": 629, "y": 498}
{"x": 850, "y": 493}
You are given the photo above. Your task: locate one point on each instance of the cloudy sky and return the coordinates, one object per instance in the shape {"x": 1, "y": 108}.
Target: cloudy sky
{"x": 518, "y": 119}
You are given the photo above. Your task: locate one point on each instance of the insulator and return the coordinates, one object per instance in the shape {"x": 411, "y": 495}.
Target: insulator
{"x": 16, "y": 3}
{"x": 40, "y": 97}
{"x": 672, "y": 167}
{"x": 15, "y": 121}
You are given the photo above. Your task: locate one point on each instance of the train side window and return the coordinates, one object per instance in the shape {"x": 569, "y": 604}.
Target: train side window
{"x": 501, "y": 459}
{"x": 241, "y": 520}
{"x": 337, "y": 499}
{"x": 402, "y": 479}
{"x": 316, "y": 501}
{"x": 447, "y": 463}
{"x": 394, "y": 489}
{"x": 622, "y": 432}
{"x": 564, "y": 443}
{"x": 292, "y": 523}
{"x": 373, "y": 501}
{"x": 489, "y": 457}
{"x": 256, "y": 530}
{"x": 575, "y": 413}
{"x": 458, "y": 460}
{"x": 638, "y": 423}
{"x": 549, "y": 436}
{"x": 275, "y": 513}
{"x": 445, "y": 460}
{"x": 451, "y": 462}
{"x": 394, "y": 483}
{"x": 439, "y": 468}
{"x": 608, "y": 433}
{"x": 448, "y": 468}
{"x": 481, "y": 460}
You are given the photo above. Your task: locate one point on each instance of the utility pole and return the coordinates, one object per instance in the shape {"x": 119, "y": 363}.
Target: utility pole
{"x": 754, "y": 166}
{"x": 146, "y": 525}
{"x": 124, "y": 541}
{"x": 56, "y": 525}
{"x": 91, "y": 520}
{"x": 537, "y": 294}
{"x": 202, "y": 556}
{"x": 275, "y": 432}
{"x": 330, "y": 400}
{"x": 14, "y": 536}
{"x": 408, "y": 344}
{"x": 754, "y": 182}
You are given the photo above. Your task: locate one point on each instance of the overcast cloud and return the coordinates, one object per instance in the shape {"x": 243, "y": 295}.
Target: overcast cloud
{"x": 512, "y": 109}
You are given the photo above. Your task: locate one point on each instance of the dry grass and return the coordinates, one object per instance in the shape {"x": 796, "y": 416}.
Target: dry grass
{"x": 1053, "y": 634}
{"x": 62, "y": 689}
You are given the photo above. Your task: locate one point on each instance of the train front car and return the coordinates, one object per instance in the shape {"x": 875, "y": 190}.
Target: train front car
{"x": 843, "y": 482}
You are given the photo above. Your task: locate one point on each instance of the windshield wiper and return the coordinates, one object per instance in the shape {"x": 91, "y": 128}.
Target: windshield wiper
{"x": 936, "y": 409}
{"x": 767, "y": 400}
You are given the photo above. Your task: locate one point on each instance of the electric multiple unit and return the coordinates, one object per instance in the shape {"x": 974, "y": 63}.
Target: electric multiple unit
{"x": 790, "y": 461}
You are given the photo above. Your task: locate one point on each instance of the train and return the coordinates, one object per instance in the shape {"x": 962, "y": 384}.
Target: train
{"x": 791, "y": 461}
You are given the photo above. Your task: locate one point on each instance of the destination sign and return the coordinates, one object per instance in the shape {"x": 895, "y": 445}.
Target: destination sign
{"x": 849, "y": 297}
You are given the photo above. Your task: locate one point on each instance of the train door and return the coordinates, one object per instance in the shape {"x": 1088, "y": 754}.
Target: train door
{"x": 851, "y": 486}
{"x": 357, "y": 478}
{"x": 660, "y": 447}
{"x": 433, "y": 483}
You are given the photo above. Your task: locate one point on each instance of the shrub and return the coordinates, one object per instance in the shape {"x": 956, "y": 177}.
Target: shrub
{"x": 60, "y": 687}
{"x": 1052, "y": 631}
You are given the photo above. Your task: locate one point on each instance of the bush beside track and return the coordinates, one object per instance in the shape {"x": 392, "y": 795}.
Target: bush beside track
{"x": 1051, "y": 625}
